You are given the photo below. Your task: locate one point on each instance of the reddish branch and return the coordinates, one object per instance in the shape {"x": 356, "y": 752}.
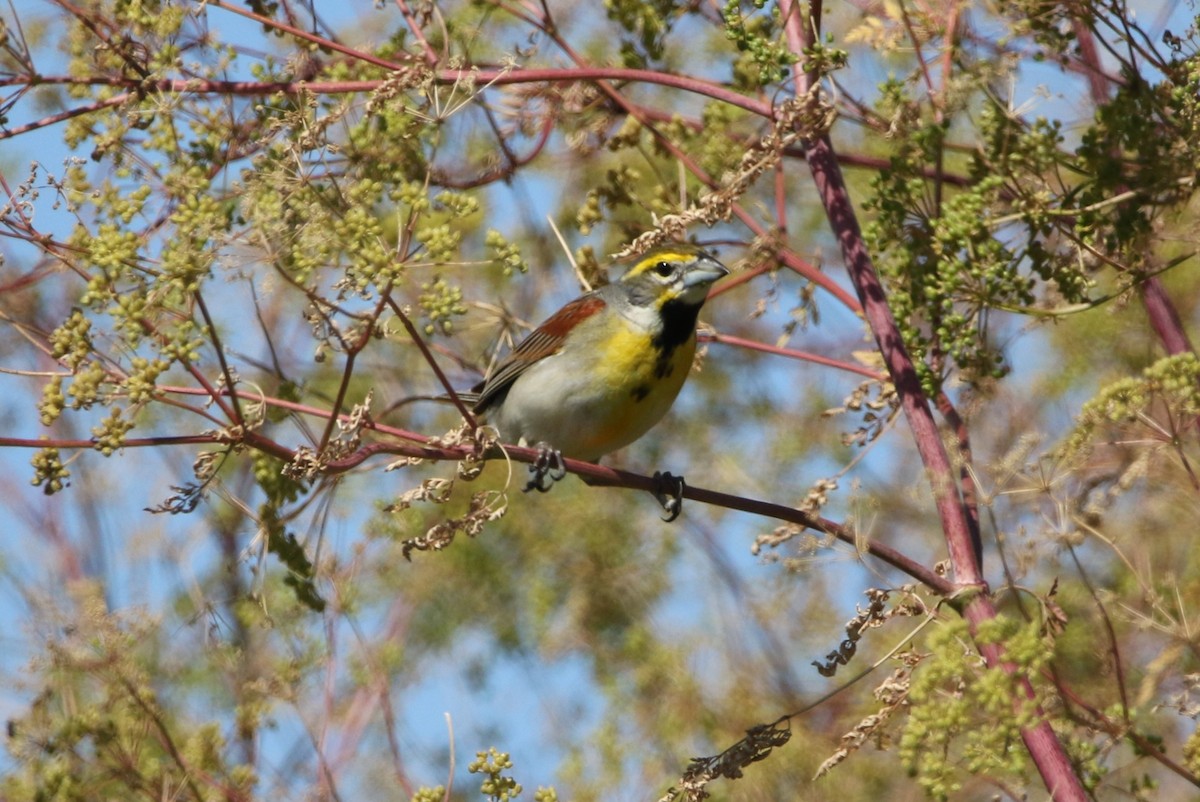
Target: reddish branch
{"x": 1076, "y": 707}
{"x": 802, "y": 30}
{"x": 966, "y": 476}
{"x": 493, "y": 77}
{"x": 53, "y": 119}
{"x": 792, "y": 353}
{"x": 601, "y": 76}
{"x": 764, "y": 110}
{"x": 952, "y": 499}
{"x": 412, "y": 444}
{"x": 431, "y": 56}
{"x": 831, "y": 187}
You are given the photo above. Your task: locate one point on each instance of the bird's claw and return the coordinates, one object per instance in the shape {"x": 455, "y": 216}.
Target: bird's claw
{"x": 548, "y": 465}
{"x": 668, "y": 492}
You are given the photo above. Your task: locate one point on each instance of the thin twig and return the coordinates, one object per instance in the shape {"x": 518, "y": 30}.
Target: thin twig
{"x": 792, "y": 353}
{"x": 433, "y": 363}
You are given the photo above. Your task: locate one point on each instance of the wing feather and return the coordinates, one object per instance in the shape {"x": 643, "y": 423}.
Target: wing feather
{"x": 546, "y": 340}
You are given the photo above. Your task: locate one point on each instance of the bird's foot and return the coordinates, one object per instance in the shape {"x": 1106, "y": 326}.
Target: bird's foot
{"x": 668, "y": 492}
{"x": 548, "y": 466}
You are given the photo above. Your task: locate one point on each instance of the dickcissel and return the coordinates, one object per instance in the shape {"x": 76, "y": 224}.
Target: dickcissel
{"x": 600, "y": 372}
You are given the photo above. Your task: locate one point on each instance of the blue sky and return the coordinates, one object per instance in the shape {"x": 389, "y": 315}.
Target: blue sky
{"x": 170, "y": 550}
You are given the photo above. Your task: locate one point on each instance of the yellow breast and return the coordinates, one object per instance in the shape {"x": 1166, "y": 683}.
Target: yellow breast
{"x": 642, "y": 383}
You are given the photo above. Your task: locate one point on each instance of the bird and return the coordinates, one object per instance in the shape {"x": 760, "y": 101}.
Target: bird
{"x": 604, "y": 369}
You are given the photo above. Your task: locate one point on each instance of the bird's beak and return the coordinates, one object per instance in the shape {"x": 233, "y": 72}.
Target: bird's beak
{"x": 704, "y": 272}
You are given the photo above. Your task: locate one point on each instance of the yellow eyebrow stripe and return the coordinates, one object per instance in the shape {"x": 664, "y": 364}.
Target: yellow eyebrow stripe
{"x": 649, "y": 260}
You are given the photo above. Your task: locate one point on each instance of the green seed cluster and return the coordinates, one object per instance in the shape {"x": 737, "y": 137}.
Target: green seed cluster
{"x": 110, "y": 251}
{"x": 492, "y": 765}
{"x": 508, "y": 254}
{"x": 369, "y": 259}
{"x": 290, "y": 216}
{"x": 110, "y": 434}
{"x": 71, "y": 342}
{"x": 765, "y": 58}
{"x": 441, "y": 242}
{"x": 53, "y": 401}
{"x": 590, "y": 213}
{"x": 184, "y": 343}
{"x": 83, "y": 392}
{"x": 821, "y": 58}
{"x": 440, "y": 302}
{"x": 984, "y": 247}
{"x": 188, "y": 256}
{"x": 963, "y": 716}
{"x": 140, "y": 385}
{"x": 614, "y": 192}
{"x": 1171, "y": 383}
{"x": 718, "y": 152}
{"x": 458, "y": 204}
{"x": 48, "y": 471}
{"x": 648, "y": 23}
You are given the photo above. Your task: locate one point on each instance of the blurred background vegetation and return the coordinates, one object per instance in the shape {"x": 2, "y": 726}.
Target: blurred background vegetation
{"x": 306, "y": 588}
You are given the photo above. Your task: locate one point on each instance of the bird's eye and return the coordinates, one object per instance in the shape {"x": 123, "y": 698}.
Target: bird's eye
{"x": 664, "y": 269}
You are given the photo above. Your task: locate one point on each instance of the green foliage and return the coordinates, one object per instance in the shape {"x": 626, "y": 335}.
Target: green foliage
{"x": 951, "y": 253}
{"x": 1129, "y": 149}
{"x": 616, "y": 192}
{"x": 965, "y": 718}
{"x": 719, "y": 150}
{"x": 1170, "y": 387}
{"x": 280, "y": 490}
{"x": 110, "y": 434}
{"x": 506, "y": 253}
{"x": 496, "y": 786}
{"x": 49, "y": 473}
{"x": 822, "y": 57}
{"x": 270, "y": 218}
{"x": 71, "y": 342}
{"x": 649, "y": 24}
{"x": 1191, "y": 752}
{"x": 1086, "y": 757}
{"x": 300, "y": 577}
{"x": 99, "y": 728}
{"x": 948, "y": 262}
{"x": 765, "y": 58}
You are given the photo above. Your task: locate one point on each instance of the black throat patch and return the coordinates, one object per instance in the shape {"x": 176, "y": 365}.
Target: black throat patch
{"x": 679, "y": 321}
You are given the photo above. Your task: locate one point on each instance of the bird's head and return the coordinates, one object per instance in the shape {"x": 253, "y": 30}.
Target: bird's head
{"x": 676, "y": 273}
